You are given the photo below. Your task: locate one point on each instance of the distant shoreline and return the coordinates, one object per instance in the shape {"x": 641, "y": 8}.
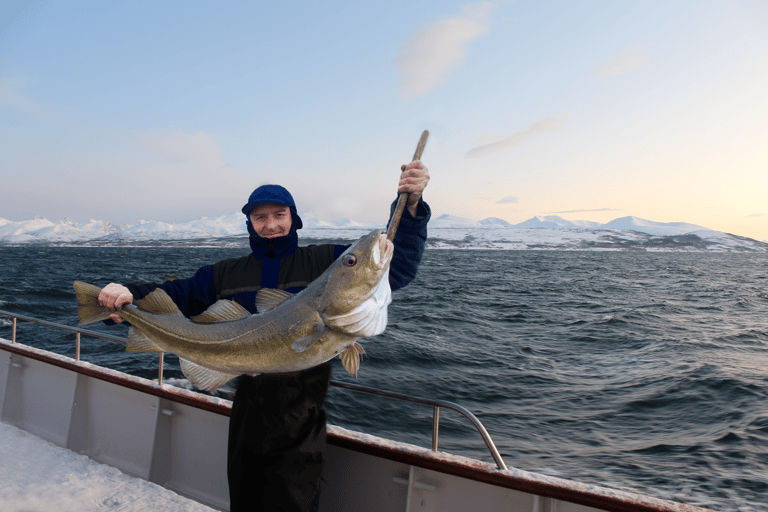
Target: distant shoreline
{"x": 615, "y": 242}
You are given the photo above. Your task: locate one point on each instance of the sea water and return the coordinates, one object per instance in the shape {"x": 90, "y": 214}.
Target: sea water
{"x": 642, "y": 371}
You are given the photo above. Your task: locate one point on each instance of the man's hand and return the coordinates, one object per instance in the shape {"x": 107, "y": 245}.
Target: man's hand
{"x": 113, "y": 297}
{"x": 413, "y": 180}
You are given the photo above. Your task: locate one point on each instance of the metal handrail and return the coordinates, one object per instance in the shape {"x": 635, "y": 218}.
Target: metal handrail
{"x": 436, "y": 404}
{"x": 78, "y": 331}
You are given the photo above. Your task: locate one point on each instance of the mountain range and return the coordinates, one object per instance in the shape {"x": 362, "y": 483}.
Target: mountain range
{"x": 445, "y": 231}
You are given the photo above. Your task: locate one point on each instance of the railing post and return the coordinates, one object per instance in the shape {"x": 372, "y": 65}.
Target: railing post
{"x": 77, "y": 346}
{"x": 160, "y": 369}
{"x": 13, "y": 331}
{"x": 435, "y": 427}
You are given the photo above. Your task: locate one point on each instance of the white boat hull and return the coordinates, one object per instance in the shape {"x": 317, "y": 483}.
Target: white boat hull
{"x": 178, "y": 438}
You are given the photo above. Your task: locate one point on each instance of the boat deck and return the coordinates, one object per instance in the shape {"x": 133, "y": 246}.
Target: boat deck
{"x": 38, "y": 475}
{"x": 176, "y": 439}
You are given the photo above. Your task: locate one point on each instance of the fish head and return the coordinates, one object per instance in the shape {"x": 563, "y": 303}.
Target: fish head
{"x": 357, "y": 290}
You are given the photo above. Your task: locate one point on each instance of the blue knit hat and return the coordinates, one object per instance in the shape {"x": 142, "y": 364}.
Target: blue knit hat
{"x": 274, "y": 194}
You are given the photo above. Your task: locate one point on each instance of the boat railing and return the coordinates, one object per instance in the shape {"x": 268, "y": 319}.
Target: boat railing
{"x": 435, "y": 404}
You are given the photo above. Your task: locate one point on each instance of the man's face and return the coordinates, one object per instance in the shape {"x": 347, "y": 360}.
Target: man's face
{"x": 271, "y": 220}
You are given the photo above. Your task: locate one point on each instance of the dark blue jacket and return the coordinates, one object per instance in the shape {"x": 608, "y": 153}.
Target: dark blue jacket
{"x": 281, "y": 263}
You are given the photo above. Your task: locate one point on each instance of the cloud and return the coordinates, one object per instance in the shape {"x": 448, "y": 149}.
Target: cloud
{"x": 620, "y": 64}
{"x": 183, "y": 170}
{"x": 195, "y": 150}
{"x": 508, "y": 200}
{"x": 755, "y": 215}
{"x": 436, "y": 50}
{"x": 549, "y": 124}
{"x": 592, "y": 210}
{"x": 10, "y": 95}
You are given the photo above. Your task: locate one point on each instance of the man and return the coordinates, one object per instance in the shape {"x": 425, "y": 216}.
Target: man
{"x": 277, "y": 426}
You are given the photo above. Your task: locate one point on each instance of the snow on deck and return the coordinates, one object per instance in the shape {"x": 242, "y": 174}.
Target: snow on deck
{"x": 38, "y": 476}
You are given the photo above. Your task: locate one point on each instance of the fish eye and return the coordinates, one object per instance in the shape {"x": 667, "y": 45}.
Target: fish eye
{"x": 349, "y": 260}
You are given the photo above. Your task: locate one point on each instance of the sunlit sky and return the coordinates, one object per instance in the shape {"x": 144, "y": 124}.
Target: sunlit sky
{"x": 592, "y": 110}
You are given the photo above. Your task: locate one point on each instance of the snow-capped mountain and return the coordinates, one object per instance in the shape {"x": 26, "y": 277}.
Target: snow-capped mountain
{"x": 494, "y": 222}
{"x": 312, "y": 222}
{"x": 445, "y": 231}
{"x": 232, "y": 224}
{"x": 451, "y": 221}
{"x": 653, "y": 228}
{"x": 40, "y": 228}
{"x": 555, "y": 221}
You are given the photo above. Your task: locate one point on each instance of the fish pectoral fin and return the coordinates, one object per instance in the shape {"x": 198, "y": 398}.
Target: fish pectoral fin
{"x": 204, "y": 378}
{"x": 270, "y": 298}
{"x": 302, "y": 344}
{"x": 157, "y": 301}
{"x": 139, "y": 342}
{"x": 350, "y": 358}
{"x": 222, "y": 311}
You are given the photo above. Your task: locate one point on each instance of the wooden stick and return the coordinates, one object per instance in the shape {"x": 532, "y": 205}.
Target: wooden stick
{"x": 402, "y": 199}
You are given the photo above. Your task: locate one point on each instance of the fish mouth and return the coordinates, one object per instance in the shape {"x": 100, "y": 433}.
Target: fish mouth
{"x": 382, "y": 252}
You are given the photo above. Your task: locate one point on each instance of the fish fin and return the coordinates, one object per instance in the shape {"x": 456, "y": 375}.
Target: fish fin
{"x": 204, "y": 378}
{"x": 139, "y": 342}
{"x": 350, "y": 358}
{"x": 88, "y": 308}
{"x": 222, "y": 311}
{"x": 270, "y": 298}
{"x": 157, "y": 301}
{"x": 302, "y": 344}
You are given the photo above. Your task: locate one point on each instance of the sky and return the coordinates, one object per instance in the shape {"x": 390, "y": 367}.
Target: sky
{"x": 142, "y": 110}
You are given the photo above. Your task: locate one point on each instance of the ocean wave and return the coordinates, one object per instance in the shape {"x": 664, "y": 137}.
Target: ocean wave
{"x": 642, "y": 371}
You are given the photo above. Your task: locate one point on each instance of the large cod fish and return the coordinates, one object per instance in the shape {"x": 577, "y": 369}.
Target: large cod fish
{"x": 290, "y": 332}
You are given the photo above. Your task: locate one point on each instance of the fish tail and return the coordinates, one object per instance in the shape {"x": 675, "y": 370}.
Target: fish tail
{"x": 88, "y": 308}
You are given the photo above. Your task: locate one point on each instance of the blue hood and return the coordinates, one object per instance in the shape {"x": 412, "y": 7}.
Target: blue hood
{"x": 274, "y": 194}
{"x": 272, "y": 247}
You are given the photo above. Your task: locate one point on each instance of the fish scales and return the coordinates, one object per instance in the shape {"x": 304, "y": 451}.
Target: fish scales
{"x": 348, "y": 301}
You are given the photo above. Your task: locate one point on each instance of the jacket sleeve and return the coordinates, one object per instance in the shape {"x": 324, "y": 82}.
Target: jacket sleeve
{"x": 410, "y": 240}
{"x": 192, "y": 296}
